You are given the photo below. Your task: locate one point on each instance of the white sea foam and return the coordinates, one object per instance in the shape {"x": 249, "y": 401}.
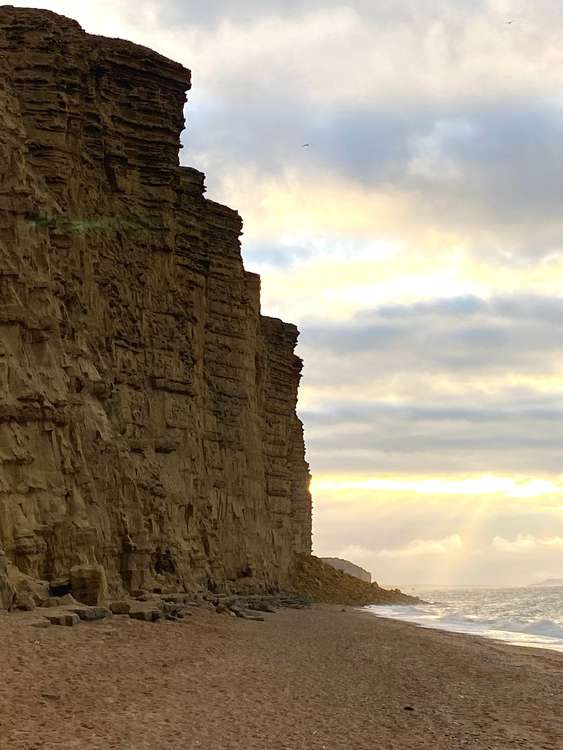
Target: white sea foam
{"x": 523, "y": 616}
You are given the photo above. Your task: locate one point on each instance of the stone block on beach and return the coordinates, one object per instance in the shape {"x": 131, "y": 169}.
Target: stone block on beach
{"x": 90, "y": 614}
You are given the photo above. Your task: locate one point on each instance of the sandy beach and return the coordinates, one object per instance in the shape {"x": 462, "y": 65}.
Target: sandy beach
{"x": 318, "y": 679}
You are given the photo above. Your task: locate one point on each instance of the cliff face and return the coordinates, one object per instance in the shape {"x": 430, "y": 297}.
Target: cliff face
{"x": 347, "y": 567}
{"x": 147, "y": 409}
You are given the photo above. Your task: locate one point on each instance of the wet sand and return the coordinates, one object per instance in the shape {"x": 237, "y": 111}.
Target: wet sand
{"x": 308, "y": 679}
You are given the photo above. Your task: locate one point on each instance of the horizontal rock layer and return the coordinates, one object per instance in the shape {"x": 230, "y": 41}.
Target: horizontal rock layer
{"x": 147, "y": 410}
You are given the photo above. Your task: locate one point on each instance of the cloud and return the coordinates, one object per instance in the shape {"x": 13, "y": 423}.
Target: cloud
{"x": 354, "y": 552}
{"x": 425, "y": 547}
{"x": 457, "y": 333}
{"x": 509, "y": 487}
{"x": 372, "y": 518}
{"x": 455, "y": 383}
{"x": 469, "y": 153}
{"x": 528, "y": 543}
{"x": 464, "y": 384}
{"x": 281, "y": 255}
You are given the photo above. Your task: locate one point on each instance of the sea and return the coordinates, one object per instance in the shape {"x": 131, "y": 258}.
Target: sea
{"x": 531, "y": 616}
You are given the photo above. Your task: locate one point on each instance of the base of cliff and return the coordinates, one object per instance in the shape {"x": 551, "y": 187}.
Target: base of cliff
{"x": 320, "y": 582}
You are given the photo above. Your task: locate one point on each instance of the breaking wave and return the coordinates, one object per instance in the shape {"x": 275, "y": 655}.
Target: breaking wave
{"x": 523, "y": 617}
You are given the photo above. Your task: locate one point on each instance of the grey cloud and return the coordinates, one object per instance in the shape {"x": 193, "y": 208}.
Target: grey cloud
{"x": 504, "y": 333}
{"x": 381, "y": 350}
{"x": 372, "y": 461}
{"x": 210, "y": 12}
{"x": 275, "y": 255}
{"x": 548, "y": 409}
{"x": 503, "y": 149}
{"x": 510, "y": 307}
{"x": 513, "y": 163}
{"x": 521, "y": 444}
{"x": 432, "y": 442}
{"x": 244, "y": 11}
{"x": 508, "y": 168}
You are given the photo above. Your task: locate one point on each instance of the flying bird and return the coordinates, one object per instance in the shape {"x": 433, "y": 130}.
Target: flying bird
{"x": 306, "y": 145}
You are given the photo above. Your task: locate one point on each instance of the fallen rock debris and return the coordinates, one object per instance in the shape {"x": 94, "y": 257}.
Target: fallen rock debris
{"x": 151, "y": 607}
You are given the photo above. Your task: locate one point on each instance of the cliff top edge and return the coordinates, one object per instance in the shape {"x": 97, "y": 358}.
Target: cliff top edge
{"x": 37, "y": 19}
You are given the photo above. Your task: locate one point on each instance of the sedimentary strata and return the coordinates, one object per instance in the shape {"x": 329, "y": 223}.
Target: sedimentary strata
{"x": 148, "y": 433}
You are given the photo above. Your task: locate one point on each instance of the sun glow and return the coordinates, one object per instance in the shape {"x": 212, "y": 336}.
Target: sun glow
{"x": 488, "y": 484}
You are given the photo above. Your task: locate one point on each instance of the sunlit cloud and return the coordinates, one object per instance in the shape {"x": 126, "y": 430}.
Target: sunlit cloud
{"x": 423, "y": 547}
{"x": 527, "y": 543}
{"x": 485, "y": 485}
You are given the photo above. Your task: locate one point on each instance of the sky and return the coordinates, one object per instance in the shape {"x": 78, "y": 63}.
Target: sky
{"x": 417, "y": 241}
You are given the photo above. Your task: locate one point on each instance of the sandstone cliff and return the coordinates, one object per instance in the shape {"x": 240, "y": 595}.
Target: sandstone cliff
{"x": 148, "y": 433}
{"x": 347, "y": 567}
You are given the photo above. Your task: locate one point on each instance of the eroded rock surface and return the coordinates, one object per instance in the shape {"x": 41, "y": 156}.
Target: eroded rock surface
{"x": 147, "y": 410}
